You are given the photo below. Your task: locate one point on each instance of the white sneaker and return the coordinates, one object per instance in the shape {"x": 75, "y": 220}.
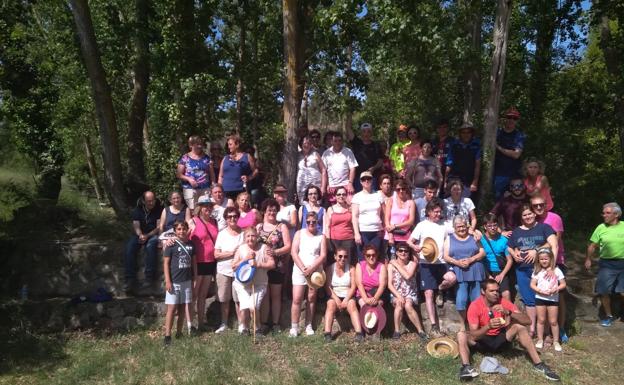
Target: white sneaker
{"x": 539, "y": 344}
{"x": 293, "y": 332}
{"x": 241, "y": 328}
{"x": 309, "y": 331}
{"x": 222, "y": 328}
{"x": 557, "y": 346}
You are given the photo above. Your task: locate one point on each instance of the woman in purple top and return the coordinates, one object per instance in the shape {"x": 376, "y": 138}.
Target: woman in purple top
{"x": 371, "y": 278}
{"x": 237, "y": 169}
{"x": 195, "y": 171}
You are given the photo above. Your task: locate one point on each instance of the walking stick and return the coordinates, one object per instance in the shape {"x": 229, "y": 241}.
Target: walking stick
{"x": 253, "y": 298}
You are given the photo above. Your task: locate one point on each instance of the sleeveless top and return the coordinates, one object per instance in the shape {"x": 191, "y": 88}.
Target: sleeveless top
{"x": 369, "y": 281}
{"x": 261, "y": 277}
{"x": 399, "y": 215}
{"x": 204, "y": 236}
{"x": 196, "y": 169}
{"x": 308, "y": 171}
{"x": 544, "y": 192}
{"x": 248, "y": 220}
{"x": 309, "y": 247}
{"x": 233, "y": 170}
{"x": 463, "y": 250}
{"x": 341, "y": 285}
{"x": 341, "y": 226}
{"x": 171, "y": 218}
{"x": 320, "y": 214}
{"x": 407, "y": 288}
{"x": 273, "y": 239}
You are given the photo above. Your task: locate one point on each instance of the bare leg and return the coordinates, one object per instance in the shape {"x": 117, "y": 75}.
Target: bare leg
{"x": 169, "y": 319}
{"x": 521, "y": 332}
{"x": 276, "y": 302}
{"x": 203, "y": 285}
{"x": 295, "y": 309}
{"x": 398, "y": 316}
{"x": 541, "y": 321}
{"x": 330, "y": 311}
{"x": 245, "y": 318}
{"x": 265, "y": 307}
{"x": 183, "y": 309}
{"x": 449, "y": 279}
{"x": 464, "y": 349}
{"x": 430, "y": 306}
{"x": 355, "y": 316}
{"x": 310, "y": 306}
{"x": 225, "y": 312}
{"x": 562, "y": 309}
{"x": 606, "y": 304}
{"x": 412, "y": 314}
{"x": 554, "y": 322}
{"x": 530, "y": 310}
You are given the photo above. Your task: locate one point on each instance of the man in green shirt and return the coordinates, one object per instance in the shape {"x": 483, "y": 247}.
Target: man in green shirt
{"x": 609, "y": 239}
{"x": 396, "y": 150}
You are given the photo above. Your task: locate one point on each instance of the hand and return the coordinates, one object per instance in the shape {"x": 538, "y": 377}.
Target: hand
{"x": 473, "y": 186}
{"x": 142, "y": 238}
{"x": 244, "y": 178}
{"x": 400, "y": 301}
{"x": 252, "y": 262}
{"x": 358, "y": 239}
{"x": 349, "y": 188}
{"x": 550, "y": 274}
{"x": 499, "y": 278}
{"x": 588, "y": 264}
{"x": 517, "y": 256}
{"x": 477, "y": 234}
{"x": 338, "y": 303}
{"x": 343, "y": 305}
{"x": 499, "y": 309}
{"x": 307, "y": 271}
{"x": 495, "y": 323}
{"x": 331, "y": 190}
{"x": 389, "y": 227}
{"x": 507, "y": 234}
{"x": 374, "y": 301}
{"x": 169, "y": 287}
{"x": 193, "y": 183}
{"x": 416, "y": 248}
{"x": 270, "y": 252}
{"x": 168, "y": 242}
{"x": 531, "y": 255}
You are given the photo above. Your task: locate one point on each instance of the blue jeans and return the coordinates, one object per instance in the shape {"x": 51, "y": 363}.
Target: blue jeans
{"x": 371, "y": 238}
{"x": 523, "y": 276}
{"x": 465, "y": 290}
{"x": 151, "y": 257}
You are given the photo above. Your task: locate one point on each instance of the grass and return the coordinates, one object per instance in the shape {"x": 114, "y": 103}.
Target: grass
{"x": 140, "y": 358}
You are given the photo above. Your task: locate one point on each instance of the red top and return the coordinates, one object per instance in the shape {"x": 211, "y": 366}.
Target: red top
{"x": 341, "y": 226}
{"x": 203, "y": 237}
{"x": 478, "y": 313}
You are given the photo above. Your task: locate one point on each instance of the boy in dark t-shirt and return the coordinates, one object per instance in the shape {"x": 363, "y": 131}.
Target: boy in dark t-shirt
{"x": 180, "y": 271}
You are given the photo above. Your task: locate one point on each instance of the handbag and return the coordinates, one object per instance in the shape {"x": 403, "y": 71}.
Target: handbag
{"x": 501, "y": 260}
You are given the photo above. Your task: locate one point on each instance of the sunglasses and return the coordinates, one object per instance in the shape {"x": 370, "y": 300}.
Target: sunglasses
{"x": 315, "y": 137}
{"x": 341, "y": 256}
{"x": 366, "y": 179}
{"x": 311, "y": 222}
{"x": 402, "y": 251}
{"x": 538, "y": 205}
{"x": 370, "y": 255}
{"x": 399, "y": 189}
{"x": 232, "y": 217}
{"x": 341, "y": 194}
{"x": 517, "y": 186}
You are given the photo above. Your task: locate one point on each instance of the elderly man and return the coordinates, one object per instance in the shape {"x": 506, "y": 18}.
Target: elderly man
{"x": 340, "y": 167}
{"x": 509, "y": 147}
{"x": 609, "y": 239}
{"x": 493, "y": 324}
{"x": 367, "y": 153}
{"x": 145, "y": 220}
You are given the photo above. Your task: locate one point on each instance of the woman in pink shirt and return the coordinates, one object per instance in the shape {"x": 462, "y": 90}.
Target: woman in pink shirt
{"x": 248, "y": 216}
{"x": 371, "y": 278}
{"x": 399, "y": 214}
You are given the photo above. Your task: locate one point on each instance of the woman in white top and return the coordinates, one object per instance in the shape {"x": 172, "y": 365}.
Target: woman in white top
{"x": 455, "y": 205}
{"x": 228, "y": 241}
{"x": 366, "y": 207}
{"x": 340, "y": 285}
{"x": 310, "y": 168}
{"x": 221, "y": 202}
{"x": 250, "y": 294}
{"x": 308, "y": 253}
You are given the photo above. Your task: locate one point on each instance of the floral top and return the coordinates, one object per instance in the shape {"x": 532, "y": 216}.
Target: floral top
{"x": 196, "y": 169}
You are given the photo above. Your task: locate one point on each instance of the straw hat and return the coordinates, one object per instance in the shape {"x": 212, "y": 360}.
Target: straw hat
{"x": 373, "y": 319}
{"x": 316, "y": 279}
{"x": 430, "y": 250}
{"x": 245, "y": 272}
{"x": 443, "y": 347}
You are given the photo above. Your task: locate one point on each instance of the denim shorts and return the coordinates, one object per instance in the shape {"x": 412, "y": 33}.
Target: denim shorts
{"x": 610, "y": 276}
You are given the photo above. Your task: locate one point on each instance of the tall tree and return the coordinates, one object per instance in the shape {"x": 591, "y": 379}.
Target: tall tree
{"x": 103, "y": 105}
{"x": 138, "y": 102}
{"x": 241, "y": 64}
{"x": 499, "y": 57}
{"x": 472, "y": 74}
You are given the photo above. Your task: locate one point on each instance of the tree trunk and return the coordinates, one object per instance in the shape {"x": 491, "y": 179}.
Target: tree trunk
{"x": 293, "y": 90}
{"x": 138, "y": 103}
{"x": 92, "y": 169}
{"x": 242, "y": 63}
{"x": 613, "y": 64}
{"x": 254, "y": 91}
{"x": 348, "y": 117}
{"x": 499, "y": 57}
{"x": 546, "y": 23}
{"x": 103, "y": 106}
{"x": 472, "y": 75}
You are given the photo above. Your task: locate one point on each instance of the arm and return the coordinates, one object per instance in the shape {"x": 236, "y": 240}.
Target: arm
{"x": 477, "y": 174}
{"x": 284, "y": 250}
{"x": 324, "y": 178}
{"x": 327, "y": 220}
{"x": 358, "y": 281}
{"x": 515, "y": 254}
{"x": 414, "y": 245}
{"x": 562, "y": 284}
{"x": 355, "y": 218}
{"x": 254, "y": 169}
{"x": 407, "y": 272}
{"x": 300, "y": 214}
{"x": 187, "y": 215}
{"x": 211, "y": 173}
{"x": 553, "y": 244}
{"x": 473, "y": 222}
{"x": 514, "y": 154}
{"x": 535, "y": 288}
{"x": 321, "y": 166}
{"x": 383, "y": 282}
{"x": 351, "y": 292}
{"x": 161, "y": 223}
{"x": 386, "y": 218}
{"x": 294, "y": 251}
{"x": 591, "y": 249}
{"x": 349, "y": 186}
{"x": 391, "y": 287}
{"x": 166, "y": 263}
{"x": 180, "y": 170}
{"x": 221, "y": 171}
{"x": 318, "y": 262}
{"x": 268, "y": 262}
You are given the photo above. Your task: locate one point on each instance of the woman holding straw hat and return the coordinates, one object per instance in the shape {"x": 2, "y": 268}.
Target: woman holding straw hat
{"x": 308, "y": 254}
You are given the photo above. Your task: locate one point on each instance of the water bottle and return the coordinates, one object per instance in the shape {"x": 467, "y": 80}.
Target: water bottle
{"x": 24, "y": 293}
{"x": 392, "y": 252}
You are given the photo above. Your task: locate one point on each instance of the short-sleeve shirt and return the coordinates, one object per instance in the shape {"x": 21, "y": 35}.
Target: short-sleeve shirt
{"x": 610, "y": 238}
{"x": 441, "y": 149}
{"x": 554, "y": 220}
{"x": 509, "y": 208}
{"x": 181, "y": 269}
{"x": 532, "y": 238}
{"x": 451, "y": 209}
{"x": 462, "y": 158}
{"x": 366, "y": 154}
{"x": 494, "y": 247}
{"x": 421, "y": 208}
{"x": 227, "y": 242}
{"x": 148, "y": 220}
{"x": 435, "y": 231}
{"x": 196, "y": 169}
{"x": 505, "y": 165}
{"x": 544, "y": 283}
{"x": 338, "y": 165}
{"x": 369, "y": 215}
{"x": 479, "y": 314}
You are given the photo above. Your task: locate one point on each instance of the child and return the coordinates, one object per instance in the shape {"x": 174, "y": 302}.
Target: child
{"x": 547, "y": 280}
{"x": 536, "y": 182}
{"x": 180, "y": 273}
{"x": 251, "y": 294}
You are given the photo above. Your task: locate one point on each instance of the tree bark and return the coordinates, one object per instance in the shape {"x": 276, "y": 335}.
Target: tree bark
{"x": 472, "y": 75}
{"x": 499, "y": 57}
{"x": 92, "y": 169}
{"x": 614, "y": 64}
{"x": 103, "y": 106}
{"x": 348, "y": 117}
{"x": 138, "y": 102}
{"x": 254, "y": 90}
{"x": 293, "y": 89}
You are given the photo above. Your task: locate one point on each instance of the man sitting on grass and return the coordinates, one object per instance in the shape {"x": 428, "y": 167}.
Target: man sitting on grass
{"x": 494, "y": 323}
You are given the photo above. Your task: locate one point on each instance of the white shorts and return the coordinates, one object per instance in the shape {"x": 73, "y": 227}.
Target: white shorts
{"x": 191, "y": 195}
{"x": 298, "y": 278}
{"x": 245, "y": 299}
{"x": 182, "y": 293}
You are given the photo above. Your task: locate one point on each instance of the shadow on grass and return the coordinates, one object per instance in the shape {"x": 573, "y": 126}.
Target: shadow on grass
{"x": 23, "y": 352}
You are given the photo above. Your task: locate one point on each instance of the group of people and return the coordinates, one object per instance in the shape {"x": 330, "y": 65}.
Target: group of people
{"x": 399, "y": 229}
